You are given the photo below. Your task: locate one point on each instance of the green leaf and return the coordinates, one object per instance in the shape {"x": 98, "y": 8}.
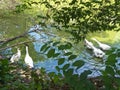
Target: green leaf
{"x": 109, "y": 70}
{"x": 118, "y": 72}
{"x": 68, "y": 53}
{"x": 72, "y": 57}
{"x": 51, "y": 74}
{"x": 68, "y": 73}
{"x": 66, "y": 66}
{"x": 57, "y": 68}
{"x": 46, "y": 48}
{"x": 68, "y": 46}
{"x": 118, "y": 54}
{"x": 73, "y": 2}
{"x": 61, "y": 47}
{"x": 78, "y": 63}
{"x": 111, "y": 60}
{"x": 51, "y": 53}
{"x": 61, "y": 61}
{"x": 55, "y": 43}
{"x": 118, "y": 82}
{"x": 43, "y": 47}
{"x": 56, "y": 54}
{"x": 85, "y": 74}
{"x": 108, "y": 81}
{"x": 110, "y": 51}
{"x": 49, "y": 42}
{"x": 5, "y": 62}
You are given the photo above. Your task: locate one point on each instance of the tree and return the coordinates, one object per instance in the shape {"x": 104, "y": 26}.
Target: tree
{"x": 82, "y": 16}
{"x": 79, "y": 17}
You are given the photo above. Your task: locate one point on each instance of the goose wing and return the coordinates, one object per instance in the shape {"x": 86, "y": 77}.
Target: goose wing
{"x": 29, "y": 61}
{"x": 105, "y": 46}
{"x": 14, "y": 58}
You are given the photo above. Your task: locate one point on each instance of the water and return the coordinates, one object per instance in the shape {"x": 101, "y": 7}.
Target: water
{"x": 15, "y": 25}
{"x": 50, "y": 64}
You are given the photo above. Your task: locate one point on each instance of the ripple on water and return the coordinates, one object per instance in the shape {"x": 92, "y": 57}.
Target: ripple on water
{"x": 50, "y": 64}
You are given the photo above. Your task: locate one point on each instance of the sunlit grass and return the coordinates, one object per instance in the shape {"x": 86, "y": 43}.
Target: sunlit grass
{"x": 104, "y": 36}
{"x": 15, "y": 25}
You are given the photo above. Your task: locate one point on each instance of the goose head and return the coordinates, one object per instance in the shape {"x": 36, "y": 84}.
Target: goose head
{"x": 97, "y": 52}
{"x": 102, "y": 45}
{"x": 19, "y": 51}
{"x": 88, "y": 44}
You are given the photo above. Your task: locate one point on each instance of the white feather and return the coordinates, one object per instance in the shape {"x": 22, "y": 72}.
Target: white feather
{"x": 28, "y": 59}
{"x": 102, "y": 45}
{"x": 97, "y": 52}
{"x": 88, "y": 44}
{"x": 16, "y": 56}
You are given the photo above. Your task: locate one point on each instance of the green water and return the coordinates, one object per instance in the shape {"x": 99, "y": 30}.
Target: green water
{"x": 12, "y": 25}
{"x": 15, "y": 25}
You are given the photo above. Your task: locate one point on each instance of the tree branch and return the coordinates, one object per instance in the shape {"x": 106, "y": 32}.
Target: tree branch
{"x": 16, "y": 37}
{"x": 17, "y": 44}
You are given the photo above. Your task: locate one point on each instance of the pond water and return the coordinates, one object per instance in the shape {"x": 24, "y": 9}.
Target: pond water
{"x": 15, "y": 25}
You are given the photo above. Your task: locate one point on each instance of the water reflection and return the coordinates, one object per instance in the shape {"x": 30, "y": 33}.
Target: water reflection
{"x": 50, "y": 64}
{"x": 40, "y": 37}
{"x": 10, "y": 25}
{"x": 91, "y": 64}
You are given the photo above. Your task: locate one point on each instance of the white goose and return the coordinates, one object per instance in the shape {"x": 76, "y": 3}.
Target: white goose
{"x": 88, "y": 44}
{"x": 16, "y": 56}
{"x": 97, "y": 52}
{"x": 102, "y": 45}
{"x": 28, "y": 59}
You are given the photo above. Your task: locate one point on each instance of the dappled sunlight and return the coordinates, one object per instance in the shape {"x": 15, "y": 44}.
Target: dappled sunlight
{"x": 117, "y": 37}
{"x": 108, "y": 37}
{"x": 68, "y": 40}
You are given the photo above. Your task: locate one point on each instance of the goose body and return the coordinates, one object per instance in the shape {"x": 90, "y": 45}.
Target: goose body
{"x": 28, "y": 60}
{"x": 102, "y": 45}
{"x": 88, "y": 44}
{"x": 97, "y": 52}
{"x": 16, "y": 56}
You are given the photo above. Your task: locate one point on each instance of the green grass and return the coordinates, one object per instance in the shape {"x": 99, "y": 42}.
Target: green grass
{"x": 105, "y": 36}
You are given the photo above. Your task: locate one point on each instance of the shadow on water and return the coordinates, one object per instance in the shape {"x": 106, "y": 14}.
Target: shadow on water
{"x": 14, "y": 26}
{"x": 91, "y": 63}
{"x": 50, "y": 63}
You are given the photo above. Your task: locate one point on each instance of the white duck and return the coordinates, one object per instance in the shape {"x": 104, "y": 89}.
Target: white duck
{"x": 16, "y": 56}
{"x": 102, "y": 45}
{"x": 88, "y": 44}
{"x": 28, "y": 60}
{"x": 97, "y": 52}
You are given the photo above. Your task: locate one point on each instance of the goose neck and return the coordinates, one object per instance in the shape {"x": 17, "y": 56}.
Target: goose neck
{"x": 27, "y": 51}
{"x": 97, "y": 41}
{"x": 93, "y": 47}
{"x": 19, "y": 52}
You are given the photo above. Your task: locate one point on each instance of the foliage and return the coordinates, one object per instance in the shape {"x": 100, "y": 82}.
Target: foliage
{"x": 16, "y": 76}
{"x": 6, "y": 77}
{"x": 65, "y": 68}
{"x": 80, "y": 17}
{"x": 68, "y": 64}
{"x": 4, "y": 71}
{"x": 25, "y": 4}
{"x": 111, "y": 74}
